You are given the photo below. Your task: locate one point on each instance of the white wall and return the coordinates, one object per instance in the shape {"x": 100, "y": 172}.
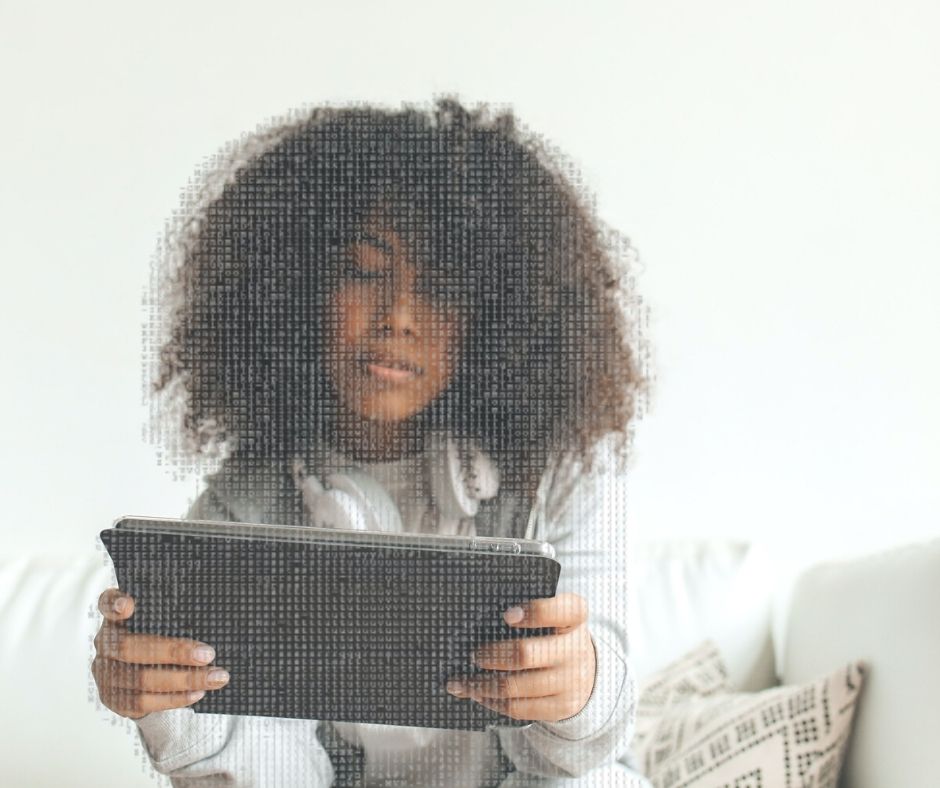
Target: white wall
{"x": 776, "y": 165}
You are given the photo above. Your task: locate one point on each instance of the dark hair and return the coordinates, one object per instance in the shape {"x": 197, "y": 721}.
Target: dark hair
{"x": 548, "y": 363}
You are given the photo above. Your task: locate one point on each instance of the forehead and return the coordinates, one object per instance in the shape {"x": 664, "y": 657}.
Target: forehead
{"x": 400, "y": 234}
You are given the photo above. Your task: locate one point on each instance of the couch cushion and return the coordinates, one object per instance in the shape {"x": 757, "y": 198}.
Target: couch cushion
{"x": 683, "y": 591}
{"x": 691, "y": 730}
{"x": 882, "y": 608}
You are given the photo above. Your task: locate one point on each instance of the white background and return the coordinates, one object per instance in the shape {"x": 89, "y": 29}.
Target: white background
{"x": 776, "y": 165}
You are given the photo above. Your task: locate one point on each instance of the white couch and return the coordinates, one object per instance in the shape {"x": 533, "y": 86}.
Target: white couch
{"x": 883, "y": 608}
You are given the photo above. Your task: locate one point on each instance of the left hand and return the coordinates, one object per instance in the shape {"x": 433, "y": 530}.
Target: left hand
{"x": 546, "y": 678}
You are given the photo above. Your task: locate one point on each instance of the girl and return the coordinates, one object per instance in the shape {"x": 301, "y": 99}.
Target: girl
{"x": 376, "y": 289}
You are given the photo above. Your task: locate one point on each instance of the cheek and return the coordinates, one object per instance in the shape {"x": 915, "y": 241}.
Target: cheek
{"x": 349, "y": 315}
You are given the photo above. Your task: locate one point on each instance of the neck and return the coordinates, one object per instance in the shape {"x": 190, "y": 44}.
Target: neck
{"x": 364, "y": 440}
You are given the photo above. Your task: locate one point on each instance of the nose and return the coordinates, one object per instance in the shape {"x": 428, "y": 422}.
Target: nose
{"x": 398, "y": 311}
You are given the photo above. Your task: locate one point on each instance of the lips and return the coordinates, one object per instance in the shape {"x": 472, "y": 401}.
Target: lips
{"x": 390, "y": 361}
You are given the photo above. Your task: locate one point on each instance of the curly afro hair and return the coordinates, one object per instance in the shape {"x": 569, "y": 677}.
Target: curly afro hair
{"x": 551, "y": 358}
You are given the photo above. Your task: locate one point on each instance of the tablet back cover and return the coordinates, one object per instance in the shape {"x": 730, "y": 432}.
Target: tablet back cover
{"x": 330, "y": 632}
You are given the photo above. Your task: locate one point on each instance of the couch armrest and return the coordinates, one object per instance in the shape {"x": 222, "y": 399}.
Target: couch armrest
{"x": 883, "y": 609}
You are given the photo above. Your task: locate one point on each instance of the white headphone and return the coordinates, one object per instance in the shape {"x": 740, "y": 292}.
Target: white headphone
{"x": 460, "y": 473}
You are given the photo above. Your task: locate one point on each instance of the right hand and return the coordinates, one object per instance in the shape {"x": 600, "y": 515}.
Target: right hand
{"x": 137, "y": 674}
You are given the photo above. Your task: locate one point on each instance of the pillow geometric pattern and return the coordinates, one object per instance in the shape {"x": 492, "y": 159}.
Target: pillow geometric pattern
{"x": 693, "y": 730}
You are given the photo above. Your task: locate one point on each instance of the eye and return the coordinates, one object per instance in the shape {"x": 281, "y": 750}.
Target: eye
{"x": 353, "y": 271}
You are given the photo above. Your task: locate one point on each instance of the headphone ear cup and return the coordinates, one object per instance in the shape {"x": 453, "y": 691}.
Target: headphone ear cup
{"x": 458, "y": 489}
{"x": 309, "y": 486}
{"x": 338, "y": 509}
{"x": 375, "y": 509}
{"x": 483, "y": 480}
{"x": 452, "y": 502}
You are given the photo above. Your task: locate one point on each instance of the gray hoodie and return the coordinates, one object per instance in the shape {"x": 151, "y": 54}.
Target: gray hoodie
{"x": 582, "y": 515}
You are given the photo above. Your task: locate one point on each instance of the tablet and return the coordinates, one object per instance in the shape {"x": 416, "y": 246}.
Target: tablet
{"x": 331, "y": 624}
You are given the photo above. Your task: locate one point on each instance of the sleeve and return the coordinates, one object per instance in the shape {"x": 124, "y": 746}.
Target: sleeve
{"x": 209, "y": 750}
{"x": 585, "y": 521}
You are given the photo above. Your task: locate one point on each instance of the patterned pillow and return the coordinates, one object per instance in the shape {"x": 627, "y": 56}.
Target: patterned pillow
{"x": 693, "y": 730}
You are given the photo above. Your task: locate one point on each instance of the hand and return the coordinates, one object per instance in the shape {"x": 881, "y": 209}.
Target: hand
{"x": 137, "y": 674}
{"x": 545, "y": 678}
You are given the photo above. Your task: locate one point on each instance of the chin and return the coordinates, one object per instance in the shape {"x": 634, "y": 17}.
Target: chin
{"x": 389, "y": 412}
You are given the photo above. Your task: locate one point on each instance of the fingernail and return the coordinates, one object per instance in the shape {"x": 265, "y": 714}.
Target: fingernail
{"x": 203, "y": 653}
{"x": 120, "y": 604}
{"x": 456, "y": 688}
{"x": 514, "y": 615}
{"x": 218, "y": 676}
{"x": 196, "y": 695}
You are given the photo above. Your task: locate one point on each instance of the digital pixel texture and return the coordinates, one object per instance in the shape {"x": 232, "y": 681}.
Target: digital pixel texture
{"x": 408, "y": 321}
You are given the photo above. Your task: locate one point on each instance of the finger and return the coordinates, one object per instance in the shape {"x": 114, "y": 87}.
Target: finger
{"x": 114, "y": 642}
{"x": 540, "y": 683}
{"x": 548, "y": 709}
{"x": 566, "y": 610}
{"x": 529, "y": 653}
{"x": 132, "y": 704}
{"x": 153, "y": 678}
{"x": 115, "y": 605}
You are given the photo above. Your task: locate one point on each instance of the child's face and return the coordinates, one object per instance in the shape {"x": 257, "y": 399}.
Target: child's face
{"x": 376, "y": 322}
